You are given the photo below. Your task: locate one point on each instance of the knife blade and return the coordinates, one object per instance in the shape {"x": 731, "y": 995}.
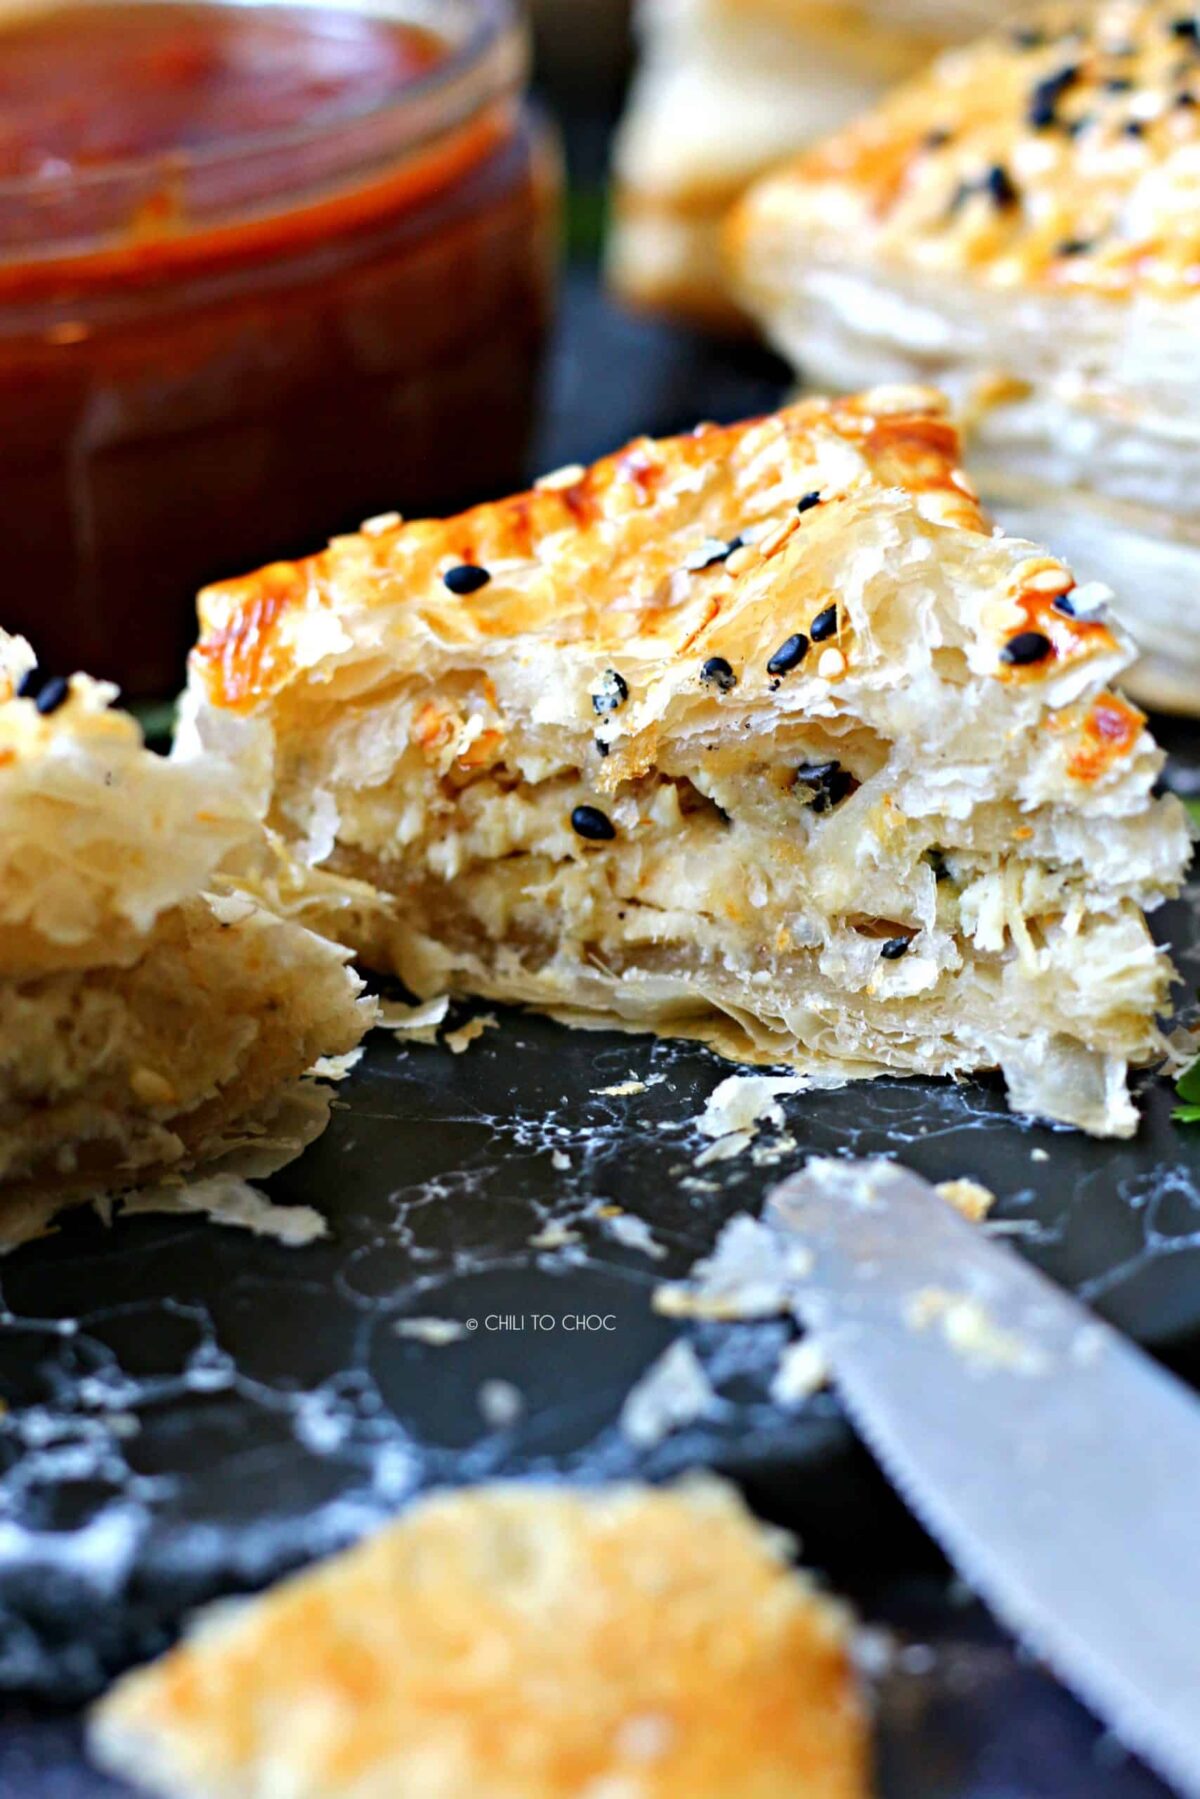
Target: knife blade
{"x": 1056, "y": 1464}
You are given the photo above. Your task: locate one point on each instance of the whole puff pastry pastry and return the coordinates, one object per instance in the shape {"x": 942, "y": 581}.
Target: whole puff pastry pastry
{"x": 1022, "y": 225}
{"x": 727, "y": 88}
{"x": 514, "y": 1642}
{"x": 151, "y": 1013}
{"x": 758, "y": 736}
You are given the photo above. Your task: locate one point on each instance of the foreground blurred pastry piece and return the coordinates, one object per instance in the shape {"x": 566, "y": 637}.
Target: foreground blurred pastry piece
{"x": 758, "y": 736}
{"x": 151, "y": 1015}
{"x": 1022, "y": 225}
{"x": 518, "y": 1642}
{"x": 726, "y": 88}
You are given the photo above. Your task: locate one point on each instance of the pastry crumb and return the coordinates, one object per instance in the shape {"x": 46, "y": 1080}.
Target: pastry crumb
{"x": 457, "y": 1041}
{"x": 436, "y": 1332}
{"x": 970, "y": 1197}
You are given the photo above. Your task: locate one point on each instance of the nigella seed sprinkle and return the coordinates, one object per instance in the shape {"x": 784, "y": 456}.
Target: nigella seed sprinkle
{"x": 716, "y": 672}
{"x": 1119, "y": 84}
{"x": 789, "y": 655}
{"x": 1185, "y": 99}
{"x": 1187, "y": 27}
{"x": 1134, "y": 128}
{"x": 894, "y": 948}
{"x": 594, "y": 825}
{"x": 53, "y": 694}
{"x": 465, "y": 578}
{"x": 829, "y": 781}
{"x": 611, "y": 694}
{"x": 1074, "y": 246}
{"x": 29, "y": 683}
{"x": 1043, "y": 102}
{"x": 808, "y": 501}
{"x": 1062, "y": 603}
{"x": 1024, "y": 648}
{"x": 601, "y": 747}
{"x": 998, "y": 185}
{"x": 824, "y": 625}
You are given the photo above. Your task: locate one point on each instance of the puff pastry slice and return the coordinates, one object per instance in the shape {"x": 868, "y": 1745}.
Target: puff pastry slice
{"x": 1021, "y": 225}
{"x": 724, "y": 90}
{"x": 518, "y": 1642}
{"x": 152, "y": 1013}
{"x": 759, "y": 736}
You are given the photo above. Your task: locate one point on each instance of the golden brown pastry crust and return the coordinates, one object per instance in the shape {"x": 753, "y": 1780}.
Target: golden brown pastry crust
{"x": 759, "y": 736}
{"x": 518, "y": 1642}
{"x": 1057, "y": 156}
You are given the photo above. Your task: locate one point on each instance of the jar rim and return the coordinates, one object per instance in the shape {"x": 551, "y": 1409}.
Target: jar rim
{"x": 486, "y": 60}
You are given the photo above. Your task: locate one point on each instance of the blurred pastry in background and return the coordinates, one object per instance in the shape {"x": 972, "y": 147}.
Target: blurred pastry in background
{"x": 1022, "y": 225}
{"x": 152, "y": 1015}
{"x": 725, "y": 89}
{"x": 521, "y": 1642}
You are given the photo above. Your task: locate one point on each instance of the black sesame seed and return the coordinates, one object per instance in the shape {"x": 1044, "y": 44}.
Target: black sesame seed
{"x": 998, "y": 185}
{"x": 1043, "y": 101}
{"x": 465, "y": 578}
{"x": 1075, "y": 246}
{"x": 1026, "y": 647}
{"x": 829, "y": 781}
{"x": 29, "y": 683}
{"x": 789, "y": 655}
{"x": 1187, "y": 26}
{"x": 590, "y": 822}
{"x": 1119, "y": 84}
{"x": 53, "y": 694}
{"x": 815, "y": 774}
{"x": 1062, "y": 602}
{"x": 809, "y": 500}
{"x": 1135, "y": 128}
{"x": 1185, "y": 99}
{"x": 894, "y": 948}
{"x": 1027, "y": 37}
{"x": 716, "y": 672}
{"x": 601, "y": 747}
{"x": 824, "y": 625}
{"x": 612, "y": 693}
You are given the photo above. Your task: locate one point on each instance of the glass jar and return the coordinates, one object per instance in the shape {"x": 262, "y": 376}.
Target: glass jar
{"x": 253, "y": 290}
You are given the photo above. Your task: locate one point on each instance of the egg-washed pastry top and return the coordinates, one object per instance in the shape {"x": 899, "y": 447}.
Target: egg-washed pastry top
{"x": 1021, "y": 224}
{"x": 152, "y": 1013}
{"x": 759, "y": 735}
{"x": 518, "y": 1642}
{"x": 1062, "y": 154}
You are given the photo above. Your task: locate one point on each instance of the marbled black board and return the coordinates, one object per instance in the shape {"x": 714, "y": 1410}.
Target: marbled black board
{"x": 190, "y": 1410}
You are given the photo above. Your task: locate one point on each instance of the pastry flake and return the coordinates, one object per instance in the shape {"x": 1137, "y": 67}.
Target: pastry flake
{"x": 153, "y": 1014}
{"x": 759, "y": 736}
{"x": 1020, "y": 224}
{"x": 523, "y": 1642}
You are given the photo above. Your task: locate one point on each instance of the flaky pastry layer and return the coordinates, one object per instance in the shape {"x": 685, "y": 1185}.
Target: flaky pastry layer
{"x": 759, "y": 736}
{"x": 151, "y": 1012}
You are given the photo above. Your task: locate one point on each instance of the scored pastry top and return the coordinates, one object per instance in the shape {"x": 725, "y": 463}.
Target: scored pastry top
{"x": 1062, "y": 154}
{"x": 835, "y": 550}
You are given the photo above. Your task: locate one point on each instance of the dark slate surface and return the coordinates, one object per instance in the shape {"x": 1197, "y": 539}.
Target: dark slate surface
{"x": 191, "y": 1411}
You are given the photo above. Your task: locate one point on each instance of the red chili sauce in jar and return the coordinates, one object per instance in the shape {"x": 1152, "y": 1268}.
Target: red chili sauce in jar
{"x": 265, "y": 270}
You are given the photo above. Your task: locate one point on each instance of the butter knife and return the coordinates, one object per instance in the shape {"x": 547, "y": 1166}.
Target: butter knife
{"x": 1057, "y": 1465}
